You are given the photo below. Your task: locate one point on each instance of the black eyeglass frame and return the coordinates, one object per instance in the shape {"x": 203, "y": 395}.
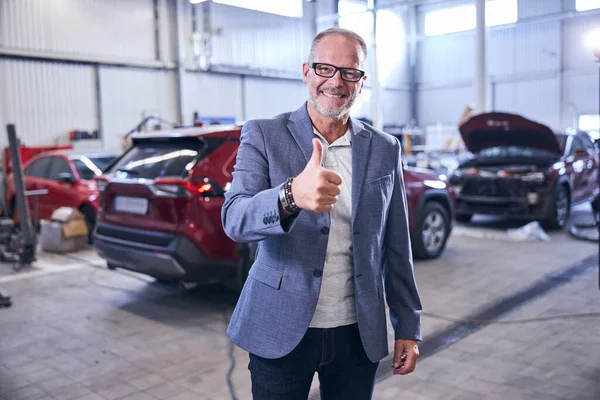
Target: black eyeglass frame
{"x": 336, "y": 69}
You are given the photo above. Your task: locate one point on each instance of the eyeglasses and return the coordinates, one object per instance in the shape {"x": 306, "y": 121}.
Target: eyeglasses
{"x": 328, "y": 71}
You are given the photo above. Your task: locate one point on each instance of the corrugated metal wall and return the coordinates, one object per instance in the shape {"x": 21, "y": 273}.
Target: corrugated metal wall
{"x": 49, "y": 98}
{"x": 212, "y": 95}
{"x": 46, "y": 100}
{"x": 539, "y": 68}
{"x": 260, "y": 40}
{"x": 265, "y": 98}
{"x": 129, "y": 94}
{"x": 119, "y": 28}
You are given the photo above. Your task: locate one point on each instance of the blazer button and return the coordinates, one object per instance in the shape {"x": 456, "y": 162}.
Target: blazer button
{"x": 318, "y": 273}
{"x": 324, "y": 230}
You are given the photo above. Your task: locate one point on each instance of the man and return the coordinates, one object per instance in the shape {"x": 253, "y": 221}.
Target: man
{"x": 323, "y": 194}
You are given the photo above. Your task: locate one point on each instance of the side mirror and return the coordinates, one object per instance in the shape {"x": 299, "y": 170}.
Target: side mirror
{"x": 65, "y": 177}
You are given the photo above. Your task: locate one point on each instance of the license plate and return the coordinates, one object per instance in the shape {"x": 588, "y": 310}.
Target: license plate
{"x": 132, "y": 205}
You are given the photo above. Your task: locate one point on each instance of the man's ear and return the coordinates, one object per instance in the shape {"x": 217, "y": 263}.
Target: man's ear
{"x": 362, "y": 83}
{"x": 305, "y": 70}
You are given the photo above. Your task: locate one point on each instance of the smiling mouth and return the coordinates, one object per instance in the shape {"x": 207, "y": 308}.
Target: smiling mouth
{"x": 333, "y": 95}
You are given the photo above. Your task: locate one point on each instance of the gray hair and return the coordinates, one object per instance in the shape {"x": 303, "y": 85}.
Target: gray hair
{"x": 348, "y": 34}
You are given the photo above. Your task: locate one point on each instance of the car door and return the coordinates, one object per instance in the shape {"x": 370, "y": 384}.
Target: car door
{"x": 60, "y": 194}
{"x": 36, "y": 175}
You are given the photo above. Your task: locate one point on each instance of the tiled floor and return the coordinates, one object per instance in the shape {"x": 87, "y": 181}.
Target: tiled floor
{"x": 77, "y": 331}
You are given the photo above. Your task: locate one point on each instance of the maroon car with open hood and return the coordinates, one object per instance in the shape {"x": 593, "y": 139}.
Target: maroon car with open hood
{"x": 521, "y": 168}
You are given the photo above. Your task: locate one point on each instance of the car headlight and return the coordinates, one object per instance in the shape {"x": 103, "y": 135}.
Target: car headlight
{"x": 533, "y": 177}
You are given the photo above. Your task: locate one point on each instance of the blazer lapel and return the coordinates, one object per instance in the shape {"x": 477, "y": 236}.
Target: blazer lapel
{"x": 301, "y": 129}
{"x": 361, "y": 146}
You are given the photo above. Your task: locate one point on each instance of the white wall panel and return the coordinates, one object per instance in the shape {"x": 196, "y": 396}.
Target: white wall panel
{"x": 362, "y": 107}
{"x": 128, "y": 94}
{"x": 212, "y": 95}
{"x": 580, "y": 96}
{"x": 446, "y": 59}
{"x": 443, "y": 105}
{"x": 265, "y": 98}
{"x": 535, "y": 99}
{"x": 123, "y": 28}
{"x": 46, "y": 100}
{"x": 261, "y": 40}
{"x": 396, "y": 106}
{"x": 537, "y": 47}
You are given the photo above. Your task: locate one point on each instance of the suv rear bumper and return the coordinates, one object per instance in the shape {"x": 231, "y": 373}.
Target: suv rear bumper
{"x": 163, "y": 256}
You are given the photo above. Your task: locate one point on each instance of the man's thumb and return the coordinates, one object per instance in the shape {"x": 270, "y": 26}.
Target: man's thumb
{"x": 317, "y": 154}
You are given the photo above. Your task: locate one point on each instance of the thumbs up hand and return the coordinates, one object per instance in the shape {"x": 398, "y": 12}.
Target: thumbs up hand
{"x": 316, "y": 188}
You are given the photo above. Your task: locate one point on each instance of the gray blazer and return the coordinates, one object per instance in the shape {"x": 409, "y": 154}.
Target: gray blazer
{"x": 280, "y": 296}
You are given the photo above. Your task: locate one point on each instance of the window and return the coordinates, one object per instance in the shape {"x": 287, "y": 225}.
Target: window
{"x": 585, "y": 5}
{"x": 462, "y": 18}
{"x": 89, "y": 167}
{"x": 59, "y": 166}
{"x": 159, "y": 159}
{"x": 38, "y": 168}
{"x": 288, "y": 8}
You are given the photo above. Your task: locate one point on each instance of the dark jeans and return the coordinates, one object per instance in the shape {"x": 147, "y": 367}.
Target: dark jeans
{"x": 336, "y": 354}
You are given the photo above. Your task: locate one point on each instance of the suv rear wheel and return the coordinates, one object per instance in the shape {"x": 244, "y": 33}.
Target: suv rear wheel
{"x": 432, "y": 231}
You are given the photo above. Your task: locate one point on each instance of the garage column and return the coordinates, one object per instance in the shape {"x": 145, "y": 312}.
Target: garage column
{"x": 480, "y": 72}
{"x": 376, "y": 107}
{"x": 180, "y": 56}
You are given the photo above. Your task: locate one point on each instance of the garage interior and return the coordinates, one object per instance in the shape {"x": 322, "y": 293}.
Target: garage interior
{"x": 511, "y": 304}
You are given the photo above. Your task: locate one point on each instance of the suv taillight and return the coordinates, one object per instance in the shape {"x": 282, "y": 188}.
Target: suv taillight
{"x": 192, "y": 187}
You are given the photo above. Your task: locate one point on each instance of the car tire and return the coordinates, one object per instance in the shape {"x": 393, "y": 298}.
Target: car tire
{"x": 431, "y": 232}
{"x": 464, "y": 217}
{"x": 247, "y": 253}
{"x": 561, "y": 209}
{"x": 90, "y": 220}
{"x": 111, "y": 266}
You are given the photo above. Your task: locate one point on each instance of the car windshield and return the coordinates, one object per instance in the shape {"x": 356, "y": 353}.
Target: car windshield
{"x": 514, "y": 151}
{"x": 154, "y": 159}
{"x": 90, "y": 166}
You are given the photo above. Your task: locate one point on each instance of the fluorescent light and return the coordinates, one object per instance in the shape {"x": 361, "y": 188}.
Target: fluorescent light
{"x": 592, "y": 40}
{"x": 462, "y": 18}
{"x": 585, "y": 5}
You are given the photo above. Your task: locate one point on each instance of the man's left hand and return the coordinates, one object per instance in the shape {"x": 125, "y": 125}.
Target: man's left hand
{"x": 406, "y": 353}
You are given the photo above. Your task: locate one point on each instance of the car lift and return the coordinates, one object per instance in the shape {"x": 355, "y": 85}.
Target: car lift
{"x": 17, "y": 242}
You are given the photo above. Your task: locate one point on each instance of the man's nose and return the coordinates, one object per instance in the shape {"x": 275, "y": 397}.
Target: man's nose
{"x": 337, "y": 78}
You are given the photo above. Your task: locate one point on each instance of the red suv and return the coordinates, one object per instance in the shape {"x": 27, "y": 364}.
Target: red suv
{"x": 160, "y": 207}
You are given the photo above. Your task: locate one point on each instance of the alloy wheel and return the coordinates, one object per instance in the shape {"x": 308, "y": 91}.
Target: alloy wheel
{"x": 434, "y": 231}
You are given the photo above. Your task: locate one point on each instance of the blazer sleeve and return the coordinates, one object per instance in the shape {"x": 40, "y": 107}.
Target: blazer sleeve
{"x": 251, "y": 209}
{"x": 400, "y": 286}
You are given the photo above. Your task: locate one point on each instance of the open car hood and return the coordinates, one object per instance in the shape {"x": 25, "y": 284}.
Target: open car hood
{"x": 495, "y": 129}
